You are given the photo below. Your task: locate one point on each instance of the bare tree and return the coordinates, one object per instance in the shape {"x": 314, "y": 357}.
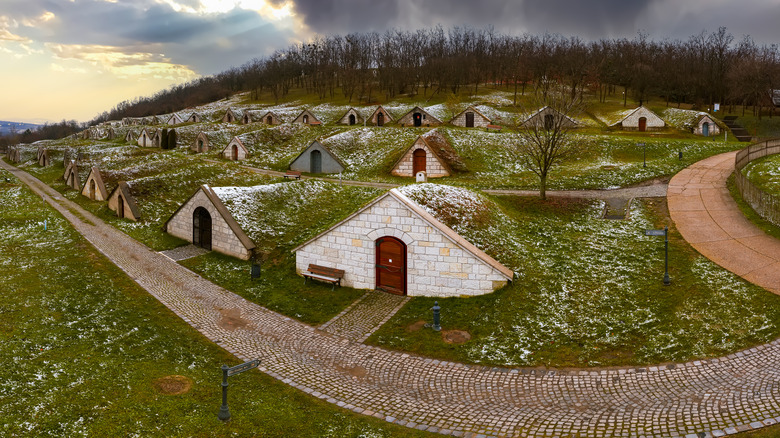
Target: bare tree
{"x": 545, "y": 139}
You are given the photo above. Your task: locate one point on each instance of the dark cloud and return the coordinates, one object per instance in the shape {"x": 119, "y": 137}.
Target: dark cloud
{"x": 589, "y": 19}
{"x": 207, "y": 43}
{"x": 586, "y": 18}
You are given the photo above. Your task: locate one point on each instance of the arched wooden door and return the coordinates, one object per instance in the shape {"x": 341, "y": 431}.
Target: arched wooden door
{"x": 352, "y": 119}
{"x": 705, "y": 129}
{"x": 315, "y": 160}
{"x": 417, "y": 119}
{"x": 92, "y": 189}
{"x": 391, "y": 265}
{"x": 380, "y": 119}
{"x": 419, "y": 163}
{"x": 642, "y": 124}
{"x": 234, "y": 153}
{"x": 469, "y": 120}
{"x": 305, "y": 119}
{"x": 201, "y": 228}
{"x": 120, "y": 206}
{"x": 200, "y": 145}
{"x": 269, "y": 120}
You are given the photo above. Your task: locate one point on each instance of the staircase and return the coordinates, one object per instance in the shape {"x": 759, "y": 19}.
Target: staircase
{"x": 737, "y": 129}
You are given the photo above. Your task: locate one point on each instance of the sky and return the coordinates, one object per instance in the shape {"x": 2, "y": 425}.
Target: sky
{"x": 73, "y": 59}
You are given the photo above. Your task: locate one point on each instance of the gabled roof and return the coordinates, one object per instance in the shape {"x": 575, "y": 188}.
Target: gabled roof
{"x": 94, "y": 173}
{"x": 236, "y": 114}
{"x": 639, "y": 108}
{"x": 124, "y": 190}
{"x": 238, "y": 141}
{"x": 378, "y": 109}
{"x": 312, "y": 118}
{"x": 223, "y": 211}
{"x": 130, "y": 136}
{"x": 427, "y": 217}
{"x": 417, "y": 109}
{"x": 194, "y": 117}
{"x": 174, "y": 119}
{"x": 357, "y": 114}
{"x": 325, "y": 148}
{"x": 442, "y": 150}
{"x": 474, "y": 110}
{"x": 272, "y": 114}
{"x": 70, "y": 168}
{"x": 553, "y": 110}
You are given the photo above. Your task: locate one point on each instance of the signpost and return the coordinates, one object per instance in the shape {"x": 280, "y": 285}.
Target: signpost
{"x": 224, "y": 412}
{"x": 665, "y": 233}
{"x": 644, "y": 154}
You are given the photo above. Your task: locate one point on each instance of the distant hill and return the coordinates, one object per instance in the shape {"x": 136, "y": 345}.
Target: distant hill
{"x": 5, "y": 127}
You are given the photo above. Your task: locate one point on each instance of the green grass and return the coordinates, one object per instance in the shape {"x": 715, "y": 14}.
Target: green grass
{"x": 82, "y": 348}
{"x": 278, "y": 288}
{"x": 764, "y": 173}
{"x": 588, "y": 293}
{"x": 765, "y": 226}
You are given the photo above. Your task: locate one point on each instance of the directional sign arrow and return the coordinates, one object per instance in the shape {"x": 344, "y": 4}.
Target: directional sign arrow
{"x": 246, "y": 366}
{"x": 654, "y": 232}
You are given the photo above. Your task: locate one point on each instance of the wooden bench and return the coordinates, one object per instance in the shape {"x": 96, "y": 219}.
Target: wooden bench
{"x": 322, "y": 273}
{"x": 292, "y": 174}
{"x": 493, "y": 128}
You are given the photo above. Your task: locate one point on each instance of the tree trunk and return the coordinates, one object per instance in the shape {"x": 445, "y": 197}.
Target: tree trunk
{"x": 543, "y": 187}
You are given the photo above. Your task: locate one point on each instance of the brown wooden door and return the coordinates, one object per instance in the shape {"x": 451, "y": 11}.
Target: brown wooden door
{"x": 469, "y": 120}
{"x": 380, "y": 119}
{"x": 419, "y": 161}
{"x": 92, "y": 189}
{"x": 391, "y": 265}
{"x": 234, "y": 155}
{"x": 642, "y": 124}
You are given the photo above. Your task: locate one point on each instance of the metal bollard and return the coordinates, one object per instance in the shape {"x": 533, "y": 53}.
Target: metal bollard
{"x": 436, "y": 316}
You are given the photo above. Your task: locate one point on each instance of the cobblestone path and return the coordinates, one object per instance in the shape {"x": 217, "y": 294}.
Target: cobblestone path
{"x": 358, "y": 321}
{"x": 184, "y": 252}
{"x": 700, "y": 398}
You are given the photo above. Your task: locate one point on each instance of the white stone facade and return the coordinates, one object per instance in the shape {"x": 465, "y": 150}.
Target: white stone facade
{"x": 241, "y": 150}
{"x": 713, "y": 128}
{"x": 223, "y": 238}
{"x": 433, "y": 167}
{"x": 631, "y": 122}
{"x": 480, "y": 121}
{"x": 439, "y": 263}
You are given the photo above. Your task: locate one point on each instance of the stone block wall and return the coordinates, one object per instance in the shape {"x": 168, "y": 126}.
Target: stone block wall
{"x": 479, "y": 121}
{"x": 222, "y": 237}
{"x": 653, "y": 121}
{"x": 227, "y": 153}
{"x": 427, "y": 120}
{"x": 436, "y": 266}
{"x": 714, "y": 128}
{"x": 113, "y": 203}
{"x": 433, "y": 167}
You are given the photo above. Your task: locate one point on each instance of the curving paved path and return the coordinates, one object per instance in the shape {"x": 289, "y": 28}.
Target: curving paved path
{"x": 708, "y": 218}
{"x": 701, "y": 398}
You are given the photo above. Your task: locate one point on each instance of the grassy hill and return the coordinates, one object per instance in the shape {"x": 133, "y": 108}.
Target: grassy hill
{"x": 583, "y": 297}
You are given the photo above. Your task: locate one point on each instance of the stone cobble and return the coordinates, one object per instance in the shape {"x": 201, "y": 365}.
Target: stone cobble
{"x": 710, "y": 397}
{"x": 365, "y": 316}
{"x": 184, "y": 252}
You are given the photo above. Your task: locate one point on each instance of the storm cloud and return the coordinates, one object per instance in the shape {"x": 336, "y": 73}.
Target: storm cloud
{"x": 592, "y": 20}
